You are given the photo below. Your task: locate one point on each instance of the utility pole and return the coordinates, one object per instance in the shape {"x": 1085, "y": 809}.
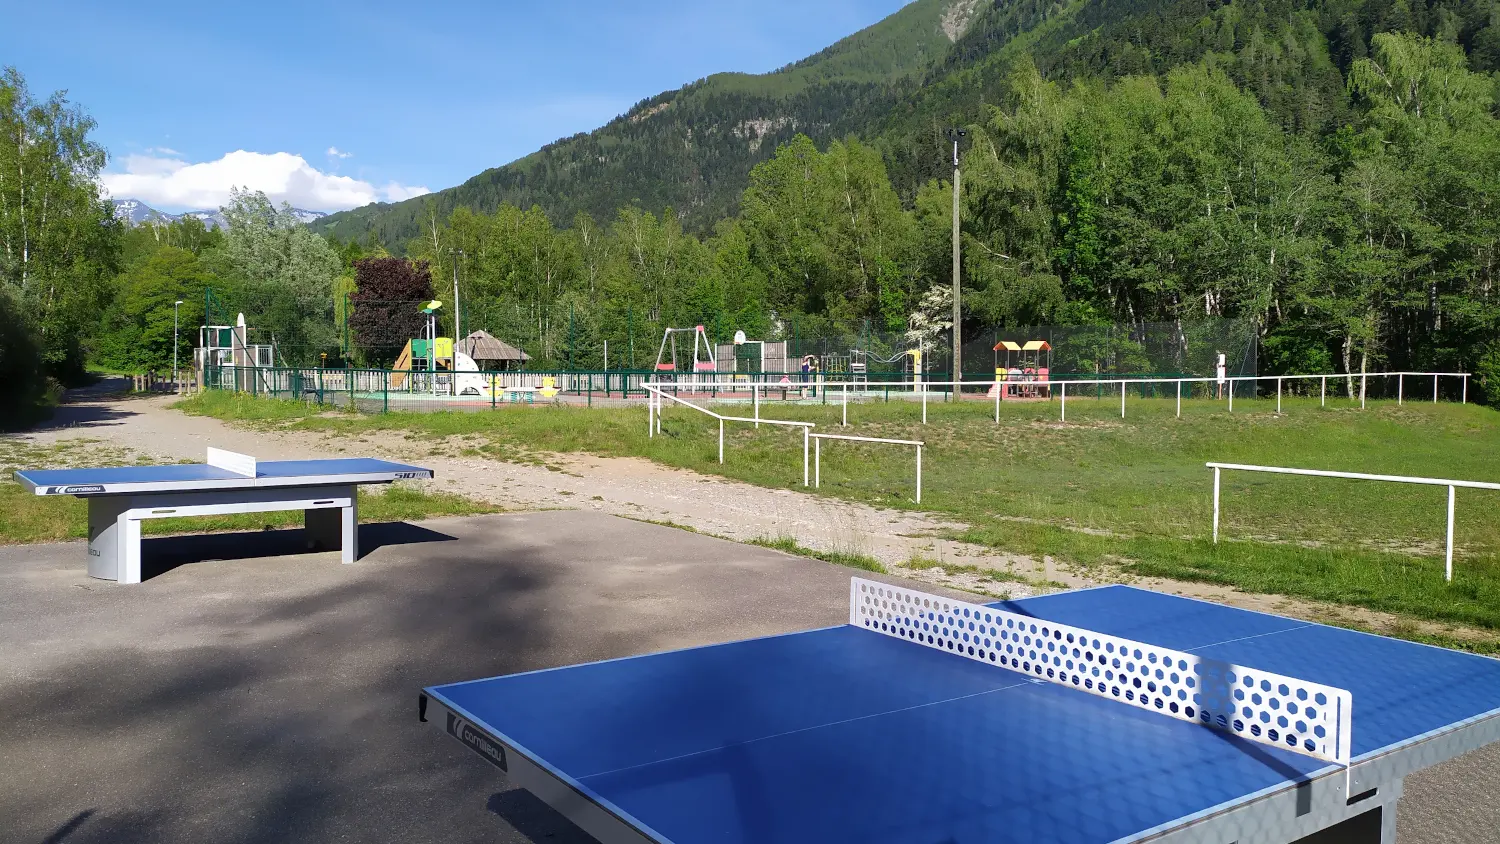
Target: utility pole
{"x": 457, "y": 335}
{"x": 955, "y": 135}
{"x": 175, "y": 383}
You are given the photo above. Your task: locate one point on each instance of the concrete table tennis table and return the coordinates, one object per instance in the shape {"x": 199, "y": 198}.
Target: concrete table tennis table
{"x": 119, "y": 498}
{"x": 1112, "y": 714}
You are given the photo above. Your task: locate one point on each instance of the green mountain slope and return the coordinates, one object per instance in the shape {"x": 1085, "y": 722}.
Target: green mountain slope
{"x": 691, "y": 149}
{"x": 934, "y": 64}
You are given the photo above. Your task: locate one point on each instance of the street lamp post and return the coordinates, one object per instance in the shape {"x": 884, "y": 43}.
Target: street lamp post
{"x": 955, "y": 135}
{"x": 176, "y": 385}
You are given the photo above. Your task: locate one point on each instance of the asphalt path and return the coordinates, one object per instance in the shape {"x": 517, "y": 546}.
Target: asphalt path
{"x": 259, "y": 697}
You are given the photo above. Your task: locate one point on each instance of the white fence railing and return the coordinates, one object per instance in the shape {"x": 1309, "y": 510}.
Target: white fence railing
{"x": 818, "y": 455}
{"x": 1061, "y": 386}
{"x": 1452, "y": 485}
{"x": 653, "y": 421}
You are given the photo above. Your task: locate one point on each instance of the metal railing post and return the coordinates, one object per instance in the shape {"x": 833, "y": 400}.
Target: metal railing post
{"x": 919, "y": 474}
{"x": 721, "y": 442}
{"x": 1216, "y": 505}
{"x": 650, "y": 414}
{"x": 755, "y": 400}
{"x": 845, "y": 422}
{"x": 1064, "y": 402}
{"x": 924, "y": 404}
{"x": 1323, "y": 393}
{"x": 1122, "y": 399}
{"x": 1465, "y": 399}
{"x": 1400, "y": 388}
{"x": 1363, "y": 380}
{"x": 817, "y": 463}
{"x": 1448, "y": 557}
{"x": 1230, "y": 382}
{"x": 1434, "y": 388}
{"x": 805, "y": 438}
{"x": 1278, "y": 396}
{"x": 1179, "y": 399}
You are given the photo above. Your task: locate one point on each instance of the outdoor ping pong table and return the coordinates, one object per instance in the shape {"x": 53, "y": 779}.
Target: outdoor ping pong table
{"x": 1107, "y": 714}
{"x": 121, "y": 497}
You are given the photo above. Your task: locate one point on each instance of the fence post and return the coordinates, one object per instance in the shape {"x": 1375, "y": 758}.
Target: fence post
{"x": 924, "y": 404}
{"x": 1323, "y": 393}
{"x": 1179, "y": 399}
{"x": 1216, "y": 505}
{"x": 1064, "y": 401}
{"x": 493, "y": 392}
{"x": 817, "y": 462}
{"x": 1122, "y": 399}
{"x": 996, "y": 388}
{"x": 845, "y": 423}
{"x": 721, "y": 442}
{"x": 650, "y": 414}
{"x": 1230, "y": 382}
{"x": 385, "y": 391}
{"x": 919, "y": 474}
{"x": 1400, "y": 388}
{"x": 1448, "y": 562}
{"x": 805, "y": 431}
{"x": 1434, "y": 388}
{"x": 1278, "y": 396}
{"x": 1363, "y": 379}
{"x": 755, "y": 399}
{"x": 1465, "y": 399}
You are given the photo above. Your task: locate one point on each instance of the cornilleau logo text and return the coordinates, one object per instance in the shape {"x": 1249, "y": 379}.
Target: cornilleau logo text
{"x": 477, "y": 741}
{"x": 77, "y": 490}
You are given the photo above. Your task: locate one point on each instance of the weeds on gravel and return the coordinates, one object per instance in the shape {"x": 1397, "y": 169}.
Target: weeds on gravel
{"x": 789, "y": 545}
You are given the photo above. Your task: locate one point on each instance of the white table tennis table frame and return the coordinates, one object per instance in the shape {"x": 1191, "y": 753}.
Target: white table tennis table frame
{"x": 1336, "y": 804}
{"x": 330, "y": 519}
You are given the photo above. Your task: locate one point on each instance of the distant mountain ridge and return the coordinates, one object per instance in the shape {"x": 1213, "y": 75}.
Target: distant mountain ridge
{"x": 900, "y": 83}
{"x": 134, "y": 212}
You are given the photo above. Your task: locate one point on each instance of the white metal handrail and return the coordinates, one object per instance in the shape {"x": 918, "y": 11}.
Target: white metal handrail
{"x": 1062, "y": 384}
{"x": 653, "y": 423}
{"x": 818, "y": 455}
{"x": 1452, "y": 485}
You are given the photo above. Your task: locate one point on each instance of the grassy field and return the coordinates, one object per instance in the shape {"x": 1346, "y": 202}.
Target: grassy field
{"x": 26, "y": 517}
{"x": 1097, "y": 492}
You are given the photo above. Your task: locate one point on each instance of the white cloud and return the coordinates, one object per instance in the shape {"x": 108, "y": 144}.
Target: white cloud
{"x": 171, "y": 183}
{"x": 335, "y": 152}
{"x": 395, "y": 193}
{"x": 163, "y": 151}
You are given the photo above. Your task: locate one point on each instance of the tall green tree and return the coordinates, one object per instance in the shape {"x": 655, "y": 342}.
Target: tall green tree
{"x": 58, "y": 236}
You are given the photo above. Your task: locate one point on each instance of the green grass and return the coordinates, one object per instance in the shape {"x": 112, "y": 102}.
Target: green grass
{"x": 26, "y": 517}
{"x": 849, "y": 559}
{"x": 1097, "y": 492}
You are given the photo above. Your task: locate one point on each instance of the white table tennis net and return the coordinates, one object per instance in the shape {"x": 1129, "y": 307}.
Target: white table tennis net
{"x": 1285, "y": 712}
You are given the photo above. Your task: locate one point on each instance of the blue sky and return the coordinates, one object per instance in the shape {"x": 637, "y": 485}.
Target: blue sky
{"x": 331, "y": 105}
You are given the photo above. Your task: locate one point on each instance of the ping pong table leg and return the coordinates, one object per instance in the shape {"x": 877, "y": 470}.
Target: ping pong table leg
{"x": 349, "y": 518}
{"x": 107, "y": 546}
{"x": 330, "y": 527}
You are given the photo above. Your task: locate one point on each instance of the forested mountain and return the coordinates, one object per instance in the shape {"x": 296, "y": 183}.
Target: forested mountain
{"x": 935, "y": 63}
{"x": 692, "y": 149}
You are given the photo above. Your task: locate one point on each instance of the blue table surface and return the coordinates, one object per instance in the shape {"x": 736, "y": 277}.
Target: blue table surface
{"x": 842, "y": 734}
{"x": 204, "y": 472}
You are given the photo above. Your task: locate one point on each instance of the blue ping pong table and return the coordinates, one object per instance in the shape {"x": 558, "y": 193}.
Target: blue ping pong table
{"x": 1100, "y": 715}
{"x": 120, "y": 497}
